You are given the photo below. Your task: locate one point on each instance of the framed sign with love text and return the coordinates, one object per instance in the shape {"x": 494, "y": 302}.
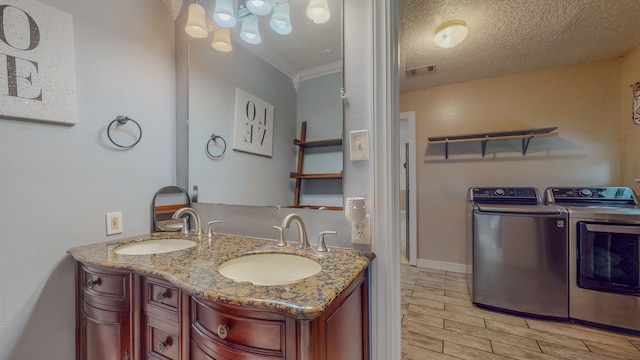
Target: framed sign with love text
{"x": 252, "y": 124}
{"x": 37, "y": 68}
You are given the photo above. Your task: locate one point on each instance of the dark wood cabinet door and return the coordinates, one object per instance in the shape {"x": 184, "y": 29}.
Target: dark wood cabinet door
{"x": 104, "y": 335}
{"x": 103, "y": 314}
{"x": 346, "y": 339}
{"x": 343, "y": 329}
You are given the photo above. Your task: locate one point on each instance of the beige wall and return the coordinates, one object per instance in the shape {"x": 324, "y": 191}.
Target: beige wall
{"x": 582, "y": 100}
{"x": 630, "y": 74}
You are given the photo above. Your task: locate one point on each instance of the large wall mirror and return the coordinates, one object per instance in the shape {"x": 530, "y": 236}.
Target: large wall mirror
{"x": 300, "y": 75}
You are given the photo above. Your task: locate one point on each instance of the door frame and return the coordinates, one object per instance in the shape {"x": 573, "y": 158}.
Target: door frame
{"x": 410, "y": 118}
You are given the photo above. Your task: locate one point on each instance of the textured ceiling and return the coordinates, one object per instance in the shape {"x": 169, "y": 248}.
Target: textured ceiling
{"x": 510, "y": 36}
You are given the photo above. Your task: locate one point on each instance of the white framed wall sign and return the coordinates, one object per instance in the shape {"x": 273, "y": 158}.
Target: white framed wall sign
{"x": 37, "y": 68}
{"x": 252, "y": 124}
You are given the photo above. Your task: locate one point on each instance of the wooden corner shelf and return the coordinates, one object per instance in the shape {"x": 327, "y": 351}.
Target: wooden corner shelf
{"x": 299, "y": 176}
{"x": 316, "y": 176}
{"x": 317, "y": 143}
{"x": 526, "y": 136}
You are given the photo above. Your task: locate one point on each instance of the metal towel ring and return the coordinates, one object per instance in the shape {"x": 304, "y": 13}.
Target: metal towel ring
{"x": 122, "y": 120}
{"x": 214, "y": 138}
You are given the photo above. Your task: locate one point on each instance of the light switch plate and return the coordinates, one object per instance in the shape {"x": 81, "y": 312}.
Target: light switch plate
{"x": 359, "y": 145}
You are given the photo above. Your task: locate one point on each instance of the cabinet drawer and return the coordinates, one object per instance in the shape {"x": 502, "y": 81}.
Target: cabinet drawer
{"x": 105, "y": 288}
{"x": 160, "y": 297}
{"x": 162, "y": 340}
{"x": 240, "y": 330}
{"x": 198, "y": 354}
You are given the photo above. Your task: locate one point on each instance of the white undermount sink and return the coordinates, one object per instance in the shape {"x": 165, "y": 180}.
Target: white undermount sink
{"x": 159, "y": 246}
{"x": 269, "y": 269}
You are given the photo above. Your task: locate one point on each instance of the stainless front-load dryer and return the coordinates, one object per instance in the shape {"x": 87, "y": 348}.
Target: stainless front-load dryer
{"x": 604, "y": 254}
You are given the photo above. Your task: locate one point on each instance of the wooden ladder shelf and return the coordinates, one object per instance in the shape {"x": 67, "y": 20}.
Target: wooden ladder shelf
{"x": 300, "y": 176}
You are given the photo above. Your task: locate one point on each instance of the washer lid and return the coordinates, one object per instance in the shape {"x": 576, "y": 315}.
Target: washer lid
{"x": 521, "y": 209}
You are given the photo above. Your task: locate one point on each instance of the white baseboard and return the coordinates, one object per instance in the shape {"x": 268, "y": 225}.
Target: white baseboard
{"x": 445, "y": 266}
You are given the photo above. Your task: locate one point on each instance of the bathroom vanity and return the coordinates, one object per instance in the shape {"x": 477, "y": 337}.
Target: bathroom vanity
{"x": 176, "y": 305}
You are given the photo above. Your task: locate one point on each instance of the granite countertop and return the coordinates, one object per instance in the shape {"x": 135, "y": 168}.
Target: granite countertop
{"x": 195, "y": 271}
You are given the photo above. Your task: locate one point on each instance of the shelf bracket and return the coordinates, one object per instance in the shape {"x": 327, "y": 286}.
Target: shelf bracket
{"x": 525, "y": 144}
{"x": 484, "y": 145}
{"x": 446, "y": 148}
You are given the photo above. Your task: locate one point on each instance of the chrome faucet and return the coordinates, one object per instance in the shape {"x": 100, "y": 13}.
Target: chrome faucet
{"x": 303, "y": 242}
{"x": 196, "y": 219}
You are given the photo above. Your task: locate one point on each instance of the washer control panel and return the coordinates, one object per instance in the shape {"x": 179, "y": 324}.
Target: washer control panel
{"x": 505, "y": 195}
{"x": 505, "y": 192}
{"x": 610, "y": 194}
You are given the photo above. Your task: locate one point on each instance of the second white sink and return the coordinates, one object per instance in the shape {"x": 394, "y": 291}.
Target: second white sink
{"x": 269, "y": 269}
{"x": 149, "y": 247}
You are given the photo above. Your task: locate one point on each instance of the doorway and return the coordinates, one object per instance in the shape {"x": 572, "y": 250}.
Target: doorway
{"x": 408, "y": 188}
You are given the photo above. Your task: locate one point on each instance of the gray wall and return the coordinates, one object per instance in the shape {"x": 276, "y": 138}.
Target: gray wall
{"x": 57, "y": 183}
{"x": 319, "y": 104}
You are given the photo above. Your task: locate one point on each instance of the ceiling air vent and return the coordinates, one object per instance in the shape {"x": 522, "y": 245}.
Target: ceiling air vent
{"x": 421, "y": 70}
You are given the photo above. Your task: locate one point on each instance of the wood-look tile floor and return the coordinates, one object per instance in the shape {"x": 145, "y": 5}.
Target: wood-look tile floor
{"x": 440, "y": 322}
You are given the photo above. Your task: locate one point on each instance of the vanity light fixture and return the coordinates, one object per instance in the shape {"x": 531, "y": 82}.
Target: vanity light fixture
{"x": 224, "y": 14}
{"x": 318, "y": 11}
{"x": 259, "y": 7}
{"x": 227, "y": 14}
{"x": 196, "y": 23}
{"x": 280, "y": 19}
{"x": 250, "y": 32}
{"x": 222, "y": 40}
{"x": 451, "y": 33}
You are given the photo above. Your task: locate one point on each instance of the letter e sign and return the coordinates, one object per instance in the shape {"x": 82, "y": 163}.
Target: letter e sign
{"x": 253, "y": 124}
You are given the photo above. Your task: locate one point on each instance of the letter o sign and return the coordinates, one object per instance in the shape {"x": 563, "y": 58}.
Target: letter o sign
{"x": 13, "y": 16}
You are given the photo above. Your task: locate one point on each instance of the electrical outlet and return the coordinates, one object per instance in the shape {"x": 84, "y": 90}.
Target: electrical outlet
{"x": 361, "y": 235}
{"x": 114, "y": 223}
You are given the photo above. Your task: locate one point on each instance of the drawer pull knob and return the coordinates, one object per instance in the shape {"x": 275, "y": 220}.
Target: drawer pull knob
{"x": 223, "y": 330}
{"x": 163, "y": 344}
{"x": 162, "y": 295}
{"x": 91, "y": 283}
